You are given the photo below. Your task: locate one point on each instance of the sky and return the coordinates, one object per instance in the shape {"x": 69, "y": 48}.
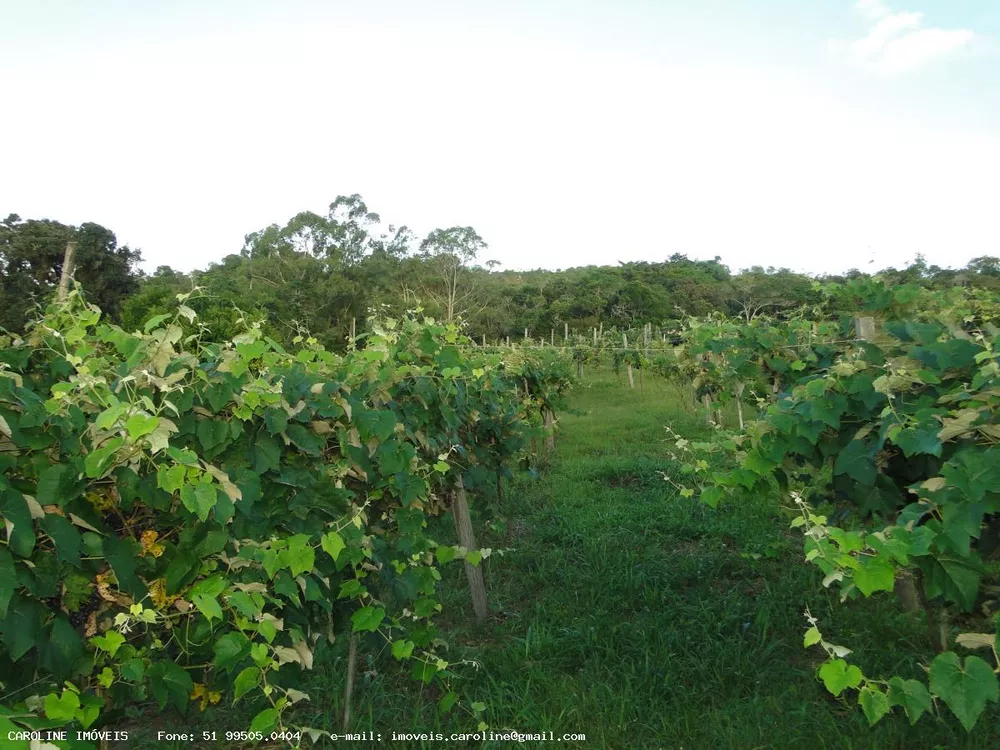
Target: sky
{"x": 814, "y": 136}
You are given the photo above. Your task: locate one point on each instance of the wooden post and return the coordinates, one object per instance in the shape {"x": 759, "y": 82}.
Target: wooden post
{"x": 550, "y": 426}
{"x": 552, "y": 337}
{"x": 565, "y": 331}
{"x": 602, "y": 327}
{"x": 631, "y": 381}
{"x": 739, "y": 402}
{"x": 68, "y": 267}
{"x": 906, "y": 592}
{"x": 624, "y": 341}
{"x": 353, "y": 328}
{"x": 706, "y": 401}
{"x": 525, "y": 334}
{"x": 595, "y": 337}
{"x": 467, "y": 539}
{"x": 484, "y": 339}
{"x": 508, "y": 341}
{"x": 352, "y": 668}
{"x": 865, "y": 328}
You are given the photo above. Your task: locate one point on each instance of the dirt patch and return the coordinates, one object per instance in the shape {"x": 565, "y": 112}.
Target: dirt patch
{"x": 622, "y": 480}
{"x": 684, "y": 547}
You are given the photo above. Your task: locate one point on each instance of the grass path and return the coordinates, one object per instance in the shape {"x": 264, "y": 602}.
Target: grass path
{"x": 645, "y": 620}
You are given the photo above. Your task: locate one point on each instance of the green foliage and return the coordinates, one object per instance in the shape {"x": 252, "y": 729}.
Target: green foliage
{"x": 189, "y": 519}
{"x": 895, "y": 437}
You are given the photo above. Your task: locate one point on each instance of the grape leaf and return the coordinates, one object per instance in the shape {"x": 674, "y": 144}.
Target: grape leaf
{"x": 964, "y": 687}
{"x": 838, "y": 676}
{"x": 911, "y": 695}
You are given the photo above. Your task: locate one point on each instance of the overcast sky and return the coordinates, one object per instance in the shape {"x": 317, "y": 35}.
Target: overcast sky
{"x": 816, "y": 136}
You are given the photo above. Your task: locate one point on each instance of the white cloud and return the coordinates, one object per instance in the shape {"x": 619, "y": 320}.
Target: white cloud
{"x": 896, "y": 42}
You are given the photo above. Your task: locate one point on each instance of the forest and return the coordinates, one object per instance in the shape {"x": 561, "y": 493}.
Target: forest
{"x": 317, "y": 272}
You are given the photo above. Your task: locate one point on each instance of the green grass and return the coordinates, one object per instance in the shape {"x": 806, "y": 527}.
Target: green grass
{"x": 641, "y": 619}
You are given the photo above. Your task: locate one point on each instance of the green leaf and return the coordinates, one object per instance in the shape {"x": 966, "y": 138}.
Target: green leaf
{"x": 276, "y": 420}
{"x": 413, "y": 487}
{"x": 172, "y": 479}
{"x": 21, "y": 531}
{"x": 954, "y": 578}
{"x": 61, "y": 707}
{"x": 445, "y": 553}
{"x": 133, "y": 670}
{"x": 170, "y": 683}
{"x": 838, "y": 676}
{"x": 874, "y": 703}
{"x": 245, "y": 681}
{"x": 62, "y": 648}
{"x": 350, "y": 588}
{"x": 65, "y": 538}
{"x": 305, "y": 440}
{"x": 446, "y": 703}
{"x": 154, "y": 322}
{"x": 182, "y": 568}
{"x": 87, "y": 713}
{"x": 267, "y": 629}
{"x": 122, "y": 555}
{"x": 712, "y": 496}
{"x": 207, "y": 606}
{"x": 267, "y": 454}
{"x": 139, "y": 425}
{"x": 99, "y": 461}
{"x": 231, "y": 649}
{"x": 856, "y": 460}
{"x": 812, "y": 637}
{"x": 919, "y": 439}
{"x": 911, "y": 695}
{"x": 21, "y": 630}
{"x": 265, "y": 721}
{"x": 8, "y": 580}
{"x": 964, "y": 687}
{"x": 378, "y": 424}
{"x": 402, "y": 649}
{"x": 332, "y": 544}
{"x": 50, "y": 486}
{"x": 211, "y": 586}
{"x": 199, "y": 498}
{"x": 367, "y": 618}
{"x": 974, "y": 471}
{"x": 106, "y": 678}
{"x": 110, "y": 641}
{"x": 874, "y": 574}
{"x": 299, "y": 557}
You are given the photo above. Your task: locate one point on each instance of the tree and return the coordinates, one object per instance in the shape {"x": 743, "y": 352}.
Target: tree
{"x": 756, "y": 291}
{"x": 451, "y": 282}
{"x": 31, "y": 258}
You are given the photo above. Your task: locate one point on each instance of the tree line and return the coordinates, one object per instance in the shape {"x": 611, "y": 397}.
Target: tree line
{"x": 317, "y": 272}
